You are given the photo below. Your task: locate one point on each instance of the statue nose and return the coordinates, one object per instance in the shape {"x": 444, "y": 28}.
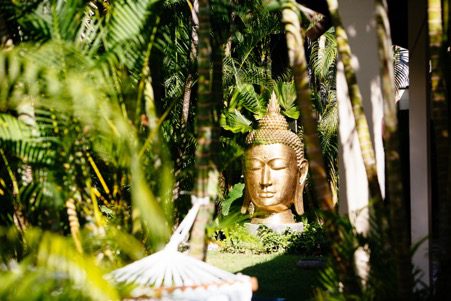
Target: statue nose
{"x": 265, "y": 180}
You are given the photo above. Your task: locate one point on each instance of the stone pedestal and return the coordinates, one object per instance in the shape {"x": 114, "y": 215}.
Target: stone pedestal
{"x": 277, "y": 228}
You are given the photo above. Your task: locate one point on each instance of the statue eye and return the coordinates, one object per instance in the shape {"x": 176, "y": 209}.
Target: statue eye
{"x": 254, "y": 164}
{"x": 278, "y": 164}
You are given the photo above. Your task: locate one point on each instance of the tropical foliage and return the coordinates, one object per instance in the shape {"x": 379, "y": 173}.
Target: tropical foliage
{"x": 115, "y": 114}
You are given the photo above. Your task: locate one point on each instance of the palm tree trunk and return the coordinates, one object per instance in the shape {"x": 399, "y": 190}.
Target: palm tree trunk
{"x": 441, "y": 141}
{"x": 298, "y": 62}
{"x": 323, "y": 192}
{"x": 192, "y": 58}
{"x": 186, "y": 101}
{"x": 217, "y": 95}
{"x": 205, "y": 187}
{"x": 398, "y": 215}
{"x": 187, "y": 98}
{"x": 380, "y": 249}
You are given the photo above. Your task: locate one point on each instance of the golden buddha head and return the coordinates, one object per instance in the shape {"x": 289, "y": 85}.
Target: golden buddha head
{"x": 274, "y": 169}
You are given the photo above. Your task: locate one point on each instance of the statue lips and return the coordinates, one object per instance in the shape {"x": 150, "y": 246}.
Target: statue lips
{"x": 266, "y": 194}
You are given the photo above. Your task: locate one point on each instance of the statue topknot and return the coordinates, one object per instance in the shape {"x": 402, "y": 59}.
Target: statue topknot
{"x": 273, "y": 128}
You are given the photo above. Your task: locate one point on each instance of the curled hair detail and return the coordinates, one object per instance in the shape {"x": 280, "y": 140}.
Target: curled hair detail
{"x": 273, "y": 128}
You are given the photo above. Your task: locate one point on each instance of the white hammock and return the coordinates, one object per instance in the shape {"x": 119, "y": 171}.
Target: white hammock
{"x": 171, "y": 275}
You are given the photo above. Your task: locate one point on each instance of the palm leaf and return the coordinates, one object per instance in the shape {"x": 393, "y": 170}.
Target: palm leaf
{"x": 83, "y": 93}
{"x": 58, "y": 265}
{"x": 129, "y": 32}
{"x": 324, "y": 54}
{"x": 401, "y": 67}
{"x": 20, "y": 143}
{"x": 257, "y": 27}
{"x": 12, "y": 128}
{"x": 328, "y": 129}
{"x": 53, "y": 20}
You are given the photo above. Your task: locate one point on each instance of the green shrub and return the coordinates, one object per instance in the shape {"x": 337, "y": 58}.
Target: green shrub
{"x": 272, "y": 241}
{"x": 312, "y": 242}
{"x": 237, "y": 239}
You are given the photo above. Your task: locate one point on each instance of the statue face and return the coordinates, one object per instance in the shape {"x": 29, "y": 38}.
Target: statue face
{"x": 271, "y": 176}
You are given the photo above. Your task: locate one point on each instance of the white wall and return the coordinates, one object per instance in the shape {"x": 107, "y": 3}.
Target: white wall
{"x": 358, "y": 20}
{"x": 420, "y": 188}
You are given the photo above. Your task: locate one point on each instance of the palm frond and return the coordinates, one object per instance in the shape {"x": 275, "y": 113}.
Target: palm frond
{"x": 324, "y": 54}
{"x": 83, "y": 93}
{"x": 129, "y": 32}
{"x": 59, "y": 269}
{"x": 255, "y": 75}
{"x": 11, "y": 128}
{"x": 18, "y": 140}
{"x": 53, "y": 20}
{"x": 328, "y": 128}
{"x": 401, "y": 67}
{"x": 257, "y": 27}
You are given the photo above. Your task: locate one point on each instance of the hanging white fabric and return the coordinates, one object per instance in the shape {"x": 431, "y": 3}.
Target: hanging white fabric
{"x": 171, "y": 275}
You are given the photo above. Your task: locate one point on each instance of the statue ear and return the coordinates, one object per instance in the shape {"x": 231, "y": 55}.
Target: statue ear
{"x": 303, "y": 170}
{"x": 302, "y": 175}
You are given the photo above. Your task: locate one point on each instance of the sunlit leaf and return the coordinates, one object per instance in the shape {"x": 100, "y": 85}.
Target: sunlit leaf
{"x": 235, "y": 193}
{"x": 235, "y": 122}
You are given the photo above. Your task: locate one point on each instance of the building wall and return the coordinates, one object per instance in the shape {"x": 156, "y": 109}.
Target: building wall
{"x": 420, "y": 188}
{"x": 357, "y": 17}
{"x": 358, "y": 20}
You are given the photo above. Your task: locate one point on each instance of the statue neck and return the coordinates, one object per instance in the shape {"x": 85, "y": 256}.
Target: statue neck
{"x": 274, "y": 218}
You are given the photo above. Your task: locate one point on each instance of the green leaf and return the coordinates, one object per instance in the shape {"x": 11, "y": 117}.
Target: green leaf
{"x": 286, "y": 93}
{"x": 234, "y": 194}
{"x": 291, "y": 113}
{"x": 235, "y": 122}
{"x": 12, "y": 128}
{"x": 245, "y": 96}
{"x": 58, "y": 256}
{"x": 324, "y": 54}
{"x": 151, "y": 214}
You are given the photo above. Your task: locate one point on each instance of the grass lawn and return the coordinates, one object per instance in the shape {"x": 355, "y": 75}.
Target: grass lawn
{"x": 278, "y": 276}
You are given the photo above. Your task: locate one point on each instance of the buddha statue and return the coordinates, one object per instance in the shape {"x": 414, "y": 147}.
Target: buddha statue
{"x": 274, "y": 170}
